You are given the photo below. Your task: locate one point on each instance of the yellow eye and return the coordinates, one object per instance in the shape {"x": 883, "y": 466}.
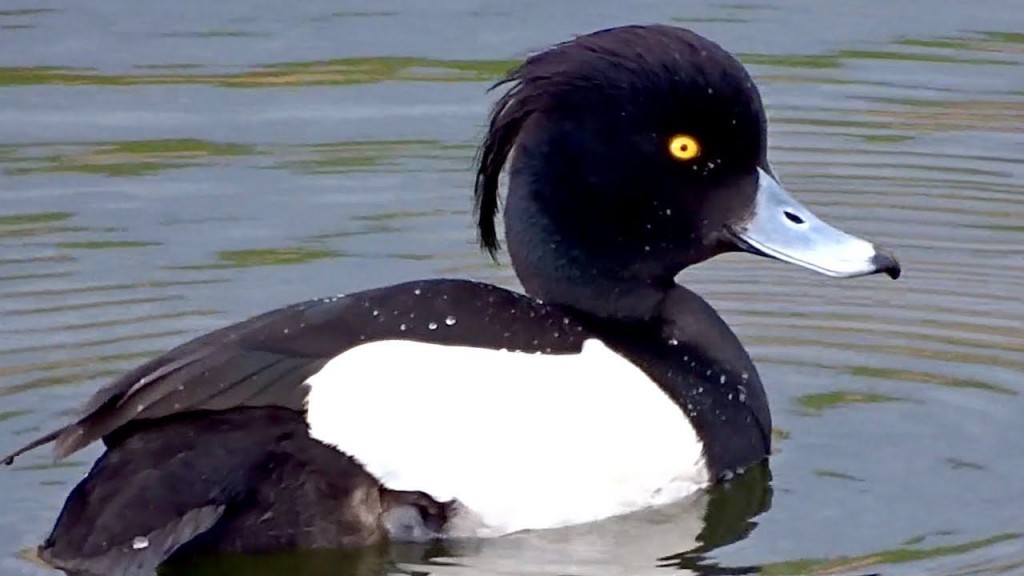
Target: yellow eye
{"x": 684, "y": 147}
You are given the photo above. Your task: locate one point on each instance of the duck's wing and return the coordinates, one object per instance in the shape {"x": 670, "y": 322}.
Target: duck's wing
{"x": 266, "y": 360}
{"x": 263, "y": 484}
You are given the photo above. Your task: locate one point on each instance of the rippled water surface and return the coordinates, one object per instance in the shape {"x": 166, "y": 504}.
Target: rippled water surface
{"x": 166, "y": 168}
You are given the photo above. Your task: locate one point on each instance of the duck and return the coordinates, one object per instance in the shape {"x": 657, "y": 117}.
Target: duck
{"x": 451, "y": 408}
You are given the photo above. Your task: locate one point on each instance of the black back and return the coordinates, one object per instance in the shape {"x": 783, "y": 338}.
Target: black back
{"x": 264, "y": 361}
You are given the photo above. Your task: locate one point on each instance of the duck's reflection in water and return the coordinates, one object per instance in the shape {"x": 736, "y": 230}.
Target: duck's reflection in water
{"x": 677, "y": 538}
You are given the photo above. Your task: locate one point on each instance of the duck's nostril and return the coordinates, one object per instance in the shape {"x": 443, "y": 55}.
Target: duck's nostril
{"x": 792, "y": 217}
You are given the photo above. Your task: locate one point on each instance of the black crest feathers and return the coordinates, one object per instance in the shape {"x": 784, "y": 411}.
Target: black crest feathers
{"x": 600, "y": 64}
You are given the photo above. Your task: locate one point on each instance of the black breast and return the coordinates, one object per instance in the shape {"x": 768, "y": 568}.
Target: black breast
{"x": 701, "y": 365}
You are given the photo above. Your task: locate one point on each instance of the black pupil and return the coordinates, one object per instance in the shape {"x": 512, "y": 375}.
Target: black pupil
{"x": 793, "y": 217}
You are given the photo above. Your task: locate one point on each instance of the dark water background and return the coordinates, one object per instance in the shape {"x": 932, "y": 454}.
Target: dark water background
{"x": 169, "y": 167}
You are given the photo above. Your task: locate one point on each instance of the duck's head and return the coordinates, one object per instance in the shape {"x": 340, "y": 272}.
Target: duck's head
{"x": 635, "y": 152}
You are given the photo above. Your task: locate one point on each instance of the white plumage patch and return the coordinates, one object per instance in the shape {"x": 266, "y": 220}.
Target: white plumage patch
{"x": 524, "y": 441}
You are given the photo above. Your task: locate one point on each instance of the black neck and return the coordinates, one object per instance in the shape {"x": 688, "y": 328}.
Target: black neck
{"x": 568, "y": 250}
{"x": 558, "y": 271}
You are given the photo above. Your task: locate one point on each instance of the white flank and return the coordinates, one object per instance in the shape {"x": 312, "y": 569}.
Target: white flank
{"x": 524, "y": 441}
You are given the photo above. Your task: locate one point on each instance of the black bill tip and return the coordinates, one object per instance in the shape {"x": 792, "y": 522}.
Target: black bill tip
{"x": 884, "y": 261}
